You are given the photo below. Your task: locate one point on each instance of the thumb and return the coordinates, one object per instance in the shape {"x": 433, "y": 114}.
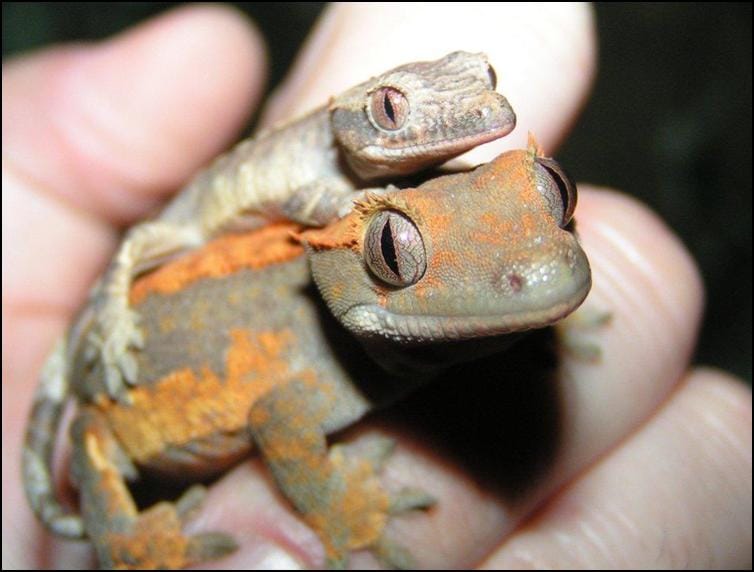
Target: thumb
{"x": 110, "y": 128}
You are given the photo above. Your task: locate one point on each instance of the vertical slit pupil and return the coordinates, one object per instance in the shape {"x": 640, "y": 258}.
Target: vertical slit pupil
{"x": 387, "y": 246}
{"x": 388, "y": 105}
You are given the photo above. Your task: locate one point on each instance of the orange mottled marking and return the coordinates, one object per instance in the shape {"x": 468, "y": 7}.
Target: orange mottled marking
{"x": 154, "y": 541}
{"x": 365, "y": 502}
{"x": 186, "y": 405}
{"x": 440, "y": 221}
{"x": 114, "y": 495}
{"x": 340, "y": 234}
{"x": 361, "y": 507}
{"x": 494, "y": 229}
{"x": 271, "y": 244}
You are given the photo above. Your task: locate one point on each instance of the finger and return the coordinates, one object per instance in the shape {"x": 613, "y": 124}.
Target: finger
{"x": 544, "y": 57}
{"x": 270, "y": 535}
{"x": 647, "y": 281}
{"x": 112, "y": 128}
{"x": 677, "y": 494}
{"x": 101, "y": 132}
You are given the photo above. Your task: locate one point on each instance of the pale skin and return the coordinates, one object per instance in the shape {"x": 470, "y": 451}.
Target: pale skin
{"x": 645, "y": 444}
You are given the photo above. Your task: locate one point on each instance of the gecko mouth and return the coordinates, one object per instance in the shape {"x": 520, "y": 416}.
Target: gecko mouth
{"x": 376, "y": 321}
{"x": 457, "y": 145}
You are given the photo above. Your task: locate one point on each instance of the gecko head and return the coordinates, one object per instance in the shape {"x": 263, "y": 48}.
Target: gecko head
{"x": 419, "y": 115}
{"x": 469, "y": 255}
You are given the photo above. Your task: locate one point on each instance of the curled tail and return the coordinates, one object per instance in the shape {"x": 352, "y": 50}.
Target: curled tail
{"x": 39, "y": 443}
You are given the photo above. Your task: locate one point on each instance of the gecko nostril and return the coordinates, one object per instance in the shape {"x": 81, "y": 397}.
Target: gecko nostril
{"x": 515, "y": 281}
{"x": 482, "y": 112}
{"x": 509, "y": 283}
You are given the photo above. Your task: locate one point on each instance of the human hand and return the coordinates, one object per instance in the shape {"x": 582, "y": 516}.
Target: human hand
{"x": 652, "y": 461}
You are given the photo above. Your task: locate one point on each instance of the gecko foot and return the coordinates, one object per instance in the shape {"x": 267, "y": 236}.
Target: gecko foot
{"x": 337, "y": 490}
{"x": 154, "y": 540}
{"x": 367, "y": 506}
{"x": 115, "y": 337}
{"x": 574, "y": 333}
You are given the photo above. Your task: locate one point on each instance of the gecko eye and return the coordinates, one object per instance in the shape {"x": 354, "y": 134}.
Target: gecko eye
{"x": 394, "y": 249}
{"x": 557, "y": 188}
{"x": 388, "y": 108}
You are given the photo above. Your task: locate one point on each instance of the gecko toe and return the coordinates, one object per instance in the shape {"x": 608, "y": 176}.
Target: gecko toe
{"x": 190, "y": 501}
{"x": 129, "y": 368}
{"x": 210, "y": 546}
{"x": 377, "y": 450}
{"x": 393, "y": 555}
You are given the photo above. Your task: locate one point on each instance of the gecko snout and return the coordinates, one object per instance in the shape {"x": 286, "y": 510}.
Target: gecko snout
{"x": 496, "y": 113}
{"x": 532, "y": 282}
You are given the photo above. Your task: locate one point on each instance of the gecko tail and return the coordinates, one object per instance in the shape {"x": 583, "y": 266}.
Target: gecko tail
{"x": 39, "y": 444}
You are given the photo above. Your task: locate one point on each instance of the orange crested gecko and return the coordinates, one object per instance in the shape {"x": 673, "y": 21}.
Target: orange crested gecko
{"x": 267, "y": 342}
{"x": 309, "y": 171}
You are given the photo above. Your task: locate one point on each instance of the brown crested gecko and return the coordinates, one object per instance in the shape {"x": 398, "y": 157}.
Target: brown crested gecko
{"x": 241, "y": 354}
{"x": 405, "y": 120}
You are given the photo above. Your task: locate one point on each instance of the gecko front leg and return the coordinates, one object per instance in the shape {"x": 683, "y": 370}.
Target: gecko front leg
{"x": 114, "y": 327}
{"x": 337, "y": 493}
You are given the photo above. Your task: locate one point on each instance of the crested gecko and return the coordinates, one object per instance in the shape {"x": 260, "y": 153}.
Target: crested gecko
{"x": 400, "y": 122}
{"x": 267, "y": 342}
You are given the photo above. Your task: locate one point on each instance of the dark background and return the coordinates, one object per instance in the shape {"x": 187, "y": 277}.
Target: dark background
{"x": 669, "y": 121}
